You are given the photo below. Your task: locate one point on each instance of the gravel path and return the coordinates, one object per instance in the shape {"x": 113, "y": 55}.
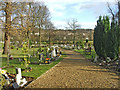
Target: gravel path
{"x": 74, "y": 71}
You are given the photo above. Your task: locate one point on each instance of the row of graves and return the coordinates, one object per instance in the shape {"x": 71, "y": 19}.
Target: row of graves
{"x": 67, "y": 46}
{"x": 13, "y": 81}
{"x": 51, "y": 55}
{"x": 48, "y": 56}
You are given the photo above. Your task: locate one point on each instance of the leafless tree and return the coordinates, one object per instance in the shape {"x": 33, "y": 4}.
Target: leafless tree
{"x": 73, "y": 25}
{"x": 21, "y": 18}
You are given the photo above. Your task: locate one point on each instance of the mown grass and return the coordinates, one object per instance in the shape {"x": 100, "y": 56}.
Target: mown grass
{"x": 81, "y": 51}
{"x": 37, "y": 70}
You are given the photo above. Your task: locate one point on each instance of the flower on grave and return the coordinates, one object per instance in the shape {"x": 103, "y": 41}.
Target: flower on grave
{"x": 3, "y": 72}
{"x": 47, "y": 58}
{"x": 46, "y": 61}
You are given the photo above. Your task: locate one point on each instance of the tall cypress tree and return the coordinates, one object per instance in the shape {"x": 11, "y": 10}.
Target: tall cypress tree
{"x": 106, "y": 38}
{"x": 97, "y": 38}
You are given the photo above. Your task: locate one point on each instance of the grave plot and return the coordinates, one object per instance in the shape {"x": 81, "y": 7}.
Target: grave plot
{"x": 29, "y": 71}
{"x": 15, "y": 81}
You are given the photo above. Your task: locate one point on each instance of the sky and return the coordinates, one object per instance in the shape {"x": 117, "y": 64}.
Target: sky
{"x": 86, "y": 12}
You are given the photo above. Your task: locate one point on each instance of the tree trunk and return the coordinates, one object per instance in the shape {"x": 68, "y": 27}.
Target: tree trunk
{"x": 6, "y": 43}
{"x": 7, "y": 28}
{"x": 74, "y": 39}
{"x": 49, "y": 40}
{"x": 40, "y": 37}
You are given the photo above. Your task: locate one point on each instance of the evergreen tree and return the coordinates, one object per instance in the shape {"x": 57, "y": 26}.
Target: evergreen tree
{"x": 99, "y": 35}
{"x": 106, "y": 38}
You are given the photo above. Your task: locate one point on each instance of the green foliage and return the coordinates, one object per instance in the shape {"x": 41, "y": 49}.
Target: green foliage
{"x": 99, "y": 34}
{"x": 44, "y": 43}
{"x": 106, "y": 38}
{"x": 112, "y": 41}
{"x": 82, "y": 44}
{"x": 37, "y": 70}
{"x": 81, "y": 51}
{"x": 25, "y": 48}
{"x": 119, "y": 50}
{"x": 26, "y": 55}
{"x": 30, "y": 42}
{"x": 2, "y": 82}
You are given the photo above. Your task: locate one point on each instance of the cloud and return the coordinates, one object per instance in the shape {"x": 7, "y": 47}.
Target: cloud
{"x": 85, "y": 11}
{"x": 60, "y": 24}
{"x": 88, "y": 25}
{"x": 85, "y": 25}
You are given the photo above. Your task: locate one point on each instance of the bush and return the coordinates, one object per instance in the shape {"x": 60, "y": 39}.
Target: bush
{"x": 82, "y": 44}
{"x": 3, "y": 81}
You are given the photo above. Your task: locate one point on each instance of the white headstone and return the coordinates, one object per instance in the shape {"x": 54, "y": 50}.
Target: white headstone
{"x": 53, "y": 53}
{"x": 96, "y": 57}
{"x": 19, "y": 80}
{"x": 18, "y": 76}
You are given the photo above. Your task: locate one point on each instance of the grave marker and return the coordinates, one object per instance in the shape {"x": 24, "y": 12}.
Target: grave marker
{"x": 19, "y": 81}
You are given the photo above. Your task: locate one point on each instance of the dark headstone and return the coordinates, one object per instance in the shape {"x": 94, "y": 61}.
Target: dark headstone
{"x": 16, "y": 70}
{"x": 40, "y": 55}
{"x": 47, "y": 54}
{"x": 60, "y": 52}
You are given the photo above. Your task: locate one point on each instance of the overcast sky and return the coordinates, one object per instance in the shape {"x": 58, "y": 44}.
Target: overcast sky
{"x": 85, "y": 11}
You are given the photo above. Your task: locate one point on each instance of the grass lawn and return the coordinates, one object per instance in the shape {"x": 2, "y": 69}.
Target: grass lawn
{"x": 37, "y": 70}
{"x": 81, "y": 51}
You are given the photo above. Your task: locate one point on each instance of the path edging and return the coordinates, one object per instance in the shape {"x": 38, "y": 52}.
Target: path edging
{"x": 43, "y": 74}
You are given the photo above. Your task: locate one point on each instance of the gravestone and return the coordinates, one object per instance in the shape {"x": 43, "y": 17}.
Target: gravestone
{"x": 20, "y": 60}
{"x": 19, "y": 80}
{"x": 56, "y": 51}
{"x": 53, "y": 53}
{"x": 47, "y": 54}
{"x": 95, "y": 60}
{"x": 78, "y": 47}
{"x": 40, "y": 57}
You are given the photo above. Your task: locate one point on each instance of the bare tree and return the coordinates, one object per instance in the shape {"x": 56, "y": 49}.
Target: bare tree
{"x": 113, "y": 12}
{"x": 49, "y": 26}
{"x": 42, "y": 16}
{"x": 73, "y": 25}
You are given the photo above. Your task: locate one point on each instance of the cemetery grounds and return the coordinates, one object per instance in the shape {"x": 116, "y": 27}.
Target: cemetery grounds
{"x": 37, "y": 70}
